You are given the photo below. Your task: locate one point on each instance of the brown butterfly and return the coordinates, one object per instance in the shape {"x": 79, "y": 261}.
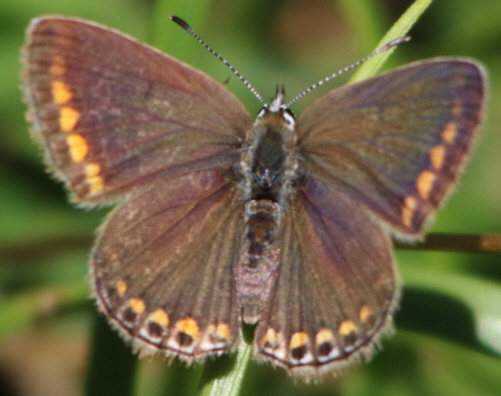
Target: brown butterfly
{"x": 278, "y": 222}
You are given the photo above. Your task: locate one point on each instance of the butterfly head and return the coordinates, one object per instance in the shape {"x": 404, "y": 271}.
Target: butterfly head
{"x": 277, "y": 111}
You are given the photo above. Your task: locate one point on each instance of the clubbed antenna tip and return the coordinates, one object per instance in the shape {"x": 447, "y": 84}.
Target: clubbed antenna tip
{"x": 180, "y": 22}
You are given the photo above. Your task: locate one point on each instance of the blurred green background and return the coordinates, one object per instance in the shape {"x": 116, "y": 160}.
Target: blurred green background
{"x": 448, "y": 338}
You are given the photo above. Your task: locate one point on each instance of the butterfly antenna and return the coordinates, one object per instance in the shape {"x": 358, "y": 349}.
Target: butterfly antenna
{"x": 187, "y": 27}
{"x": 386, "y": 47}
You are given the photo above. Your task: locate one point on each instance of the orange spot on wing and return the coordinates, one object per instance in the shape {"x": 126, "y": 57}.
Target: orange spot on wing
{"x": 365, "y": 312}
{"x": 60, "y": 92}
{"x": 223, "y": 330}
{"x": 93, "y": 178}
{"x": 347, "y": 327}
{"x": 324, "y": 335}
{"x": 68, "y": 118}
{"x": 92, "y": 169}
{"x": 137, "y": 305}
{"x": 437, "y": 155}
{"x": 160, "y": 317}
{"x": 121, "y": 288}
{"x": 449, "y": 133}
{"x": 273, "y": 338}
{"x": 424, "y": 183}
{"x": 96, "y": 185}
{"x": 298, "y": 339}
{"x": 188, "y": 326}
{"x": 408, "y": 209}
{"x": 78, "y": 147}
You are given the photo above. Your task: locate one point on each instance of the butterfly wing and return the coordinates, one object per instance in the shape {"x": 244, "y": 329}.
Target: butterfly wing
{"x": 162, "y": 267}
{"x": 119, "y": 118}
{"x": 114, "y": 114}
{"x": 336, "y": 288}
{"x": 396, "y": 142}
{"x": 374, "y": 155}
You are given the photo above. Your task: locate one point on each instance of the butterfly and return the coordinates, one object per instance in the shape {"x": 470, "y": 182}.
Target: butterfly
{"x": 280, "y": 222}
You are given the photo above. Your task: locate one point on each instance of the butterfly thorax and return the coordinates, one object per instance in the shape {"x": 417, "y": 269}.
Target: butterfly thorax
{"x": 269, "y": 168}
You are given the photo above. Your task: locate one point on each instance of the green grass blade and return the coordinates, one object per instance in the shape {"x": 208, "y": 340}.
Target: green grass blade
{"x": 224, "y": 376}
{"x": 399, "y": 29}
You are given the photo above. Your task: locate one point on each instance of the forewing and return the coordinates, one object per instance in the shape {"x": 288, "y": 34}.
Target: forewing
{"x": 336, "y": 288}
{"x": 114, "y": 114}
{"x": 397, "y": 141}
{"x": 162, "y": 268}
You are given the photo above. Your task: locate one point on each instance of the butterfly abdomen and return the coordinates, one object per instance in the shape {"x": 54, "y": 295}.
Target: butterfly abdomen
{"x": 257, "y": 264}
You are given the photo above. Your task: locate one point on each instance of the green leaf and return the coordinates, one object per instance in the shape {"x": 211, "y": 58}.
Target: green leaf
{"x": 481, "y": 296}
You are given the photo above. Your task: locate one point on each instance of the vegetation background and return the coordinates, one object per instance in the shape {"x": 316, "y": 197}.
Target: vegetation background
{"x": 448, "y": 339}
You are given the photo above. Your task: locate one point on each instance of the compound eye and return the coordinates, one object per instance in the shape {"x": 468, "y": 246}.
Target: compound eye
{"x": 289, "y": 116}
{"x": 262, "y": 111}
{"x": 289, "y": 112}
